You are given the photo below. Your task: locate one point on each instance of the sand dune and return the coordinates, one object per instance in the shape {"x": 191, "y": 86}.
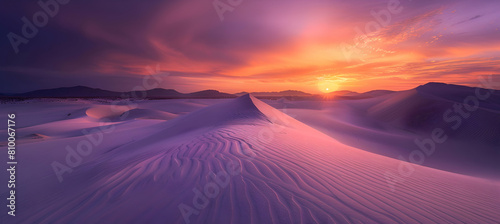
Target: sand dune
{"x": 121, "y": 113}
{"x": 35, "y": 137}
{"x": 111, "y": 112}
{"x": 278, "y": 170}
{"x": 148, "y": 114}
{"x": 390, "y": 124}
{"x": 473, "y": 136}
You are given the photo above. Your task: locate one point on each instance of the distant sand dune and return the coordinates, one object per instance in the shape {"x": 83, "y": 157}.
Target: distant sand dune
{"x": 122, "y": 113}
{"x": 389, "y": 125}
{"x": 106, "y": 111}
{"x": 147, "y": 114}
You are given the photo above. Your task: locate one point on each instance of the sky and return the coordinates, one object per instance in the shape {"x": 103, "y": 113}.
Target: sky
{"x": 248, "y": 45}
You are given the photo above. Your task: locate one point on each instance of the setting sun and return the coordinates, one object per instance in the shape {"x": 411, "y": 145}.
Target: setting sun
{"x": 327, "y": 86}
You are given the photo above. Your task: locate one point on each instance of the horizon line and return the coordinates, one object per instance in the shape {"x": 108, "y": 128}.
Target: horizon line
{"x": 274, "y": 91}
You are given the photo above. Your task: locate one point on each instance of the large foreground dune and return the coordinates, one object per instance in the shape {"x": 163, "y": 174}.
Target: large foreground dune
{"x": 239, "y": 161}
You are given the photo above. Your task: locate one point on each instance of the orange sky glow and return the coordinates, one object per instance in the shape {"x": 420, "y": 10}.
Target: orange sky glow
{"x": 313, "y": 46}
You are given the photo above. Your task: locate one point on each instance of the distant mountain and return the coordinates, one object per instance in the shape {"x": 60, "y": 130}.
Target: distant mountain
{"x": 344, "y": 93}
{"x": 349, "y": 95}
{"x": 163, "y": 93}
{"x": 375, "y": 93}
{"x": 241, "y": 94}
{"x": 210, "y": 94}
{"x": 87, "y": 92}
{"x": 286, "y": 93}
{"x": 76, "y": 91}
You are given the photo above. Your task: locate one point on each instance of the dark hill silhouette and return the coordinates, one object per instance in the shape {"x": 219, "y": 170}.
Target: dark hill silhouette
{"x": 87, "y": 92}
{"x": 276, "y": 94}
